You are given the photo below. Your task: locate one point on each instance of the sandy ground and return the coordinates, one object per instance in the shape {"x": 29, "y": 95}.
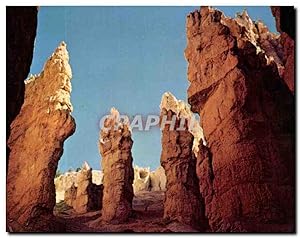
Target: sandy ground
{"x": 147, "y": 217}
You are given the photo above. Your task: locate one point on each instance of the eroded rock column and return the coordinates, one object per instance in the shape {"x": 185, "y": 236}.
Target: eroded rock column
{"x": 182, "y": 197}
{"x": 36, "y": 144}
{"x": 115, "y": 148}
{"x": 246, "y": 171}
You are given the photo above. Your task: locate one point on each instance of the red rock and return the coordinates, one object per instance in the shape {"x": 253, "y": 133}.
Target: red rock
{"x": 182, "y": 198}
{"x": 285, "y": 24}
{"x": 246, "y": 171}
{"x": 115, "y": 149}
{"x": 36, "y": 144}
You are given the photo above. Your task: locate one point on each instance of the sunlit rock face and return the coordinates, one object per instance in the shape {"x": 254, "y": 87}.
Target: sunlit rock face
{"x": 66, "y": 180}
{"x": 80, "y": 193}
{"x": 182, "y": 197}
{"x": 84, "y": 181}
{"x": 141, "y": 180}
{"x": 158, "y": 179}
{"x": 115, "y": 148}
{"x": 70, "y": 195}
{"x": 285, "y": 24}
{"x": 36, "y": 144}
{"x": 21, "y": 25}
{"x": 246, "y": 170}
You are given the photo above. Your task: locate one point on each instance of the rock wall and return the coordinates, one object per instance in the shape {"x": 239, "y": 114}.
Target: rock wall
{"x": 36, "y": 144}
{"x": 150, "y": 181}
{"x": 246, "y": 171}
{"x": 115, "y": 148}
{"x": 141, "y": 180}
{"x": 285, "y": 24}
{"x": 182, "y": 197}
{"x": 66, "y": 180}
{"x": 84, "y": 196}
{"x": 21, "y": 24}
{"x": 158, "y": 179}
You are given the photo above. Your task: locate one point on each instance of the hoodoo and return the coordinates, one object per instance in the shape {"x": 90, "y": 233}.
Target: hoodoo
{"x": 36, "y": 144}
{"x": 182, "y": 197}
{"x": 115, "y": 148}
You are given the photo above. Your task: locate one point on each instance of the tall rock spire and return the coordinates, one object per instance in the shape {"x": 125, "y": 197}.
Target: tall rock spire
{"x": 183, "y": 202}
{"x": 115, "y": 148}
{"x": 36, "y": 144}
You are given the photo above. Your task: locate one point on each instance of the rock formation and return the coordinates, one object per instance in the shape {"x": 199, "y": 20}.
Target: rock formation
{"x": 246, "y": 171}
{"x": 158, "y": 179}
{"x": 84, "y": 196}
{"x": 115, "y": 148}
{"x": 66, "y": 180}
{"x": 182, "y": 197}
{"x": 36, "y": 144}
{"x": 84, "y": 181}
{"x": 21, "y": 24}
{"x": 285, "y": 24}
{"x": 141, "y": 180}
{"x": 70, "y": 195}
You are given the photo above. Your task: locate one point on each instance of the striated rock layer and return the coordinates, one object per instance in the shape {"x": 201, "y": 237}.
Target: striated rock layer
{"x": 285, "y": 24}
{"x": 182, "y": 198}
{"x": 246, "y": 171}
{"x": 36, "y": 144}
{"x": 115, "y": 148}
{"x": 21, "y": 24}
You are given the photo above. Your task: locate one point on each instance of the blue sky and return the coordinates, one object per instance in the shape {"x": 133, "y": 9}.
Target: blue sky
{"x": 123, "y": 57}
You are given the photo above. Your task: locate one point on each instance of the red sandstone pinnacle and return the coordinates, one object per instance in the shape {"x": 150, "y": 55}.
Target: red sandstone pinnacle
{"x": 182, "y": 198}
{"x": 115, "y": 148}
{"x": 246, "y": 172}
{"x": 36, "y": 144}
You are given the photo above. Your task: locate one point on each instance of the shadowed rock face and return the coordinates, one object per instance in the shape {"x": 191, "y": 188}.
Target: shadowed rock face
{"x": 285, "y": 24}
{"x": 246, "y": 172}
{"x": 115, "y": 148}
{"x": 88, "y": 195}
{"x": 21, "y": 24}
{"x": 36, "y": 144}
{"x": 70, "y": 195}
{"x": 182, "y": 198}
